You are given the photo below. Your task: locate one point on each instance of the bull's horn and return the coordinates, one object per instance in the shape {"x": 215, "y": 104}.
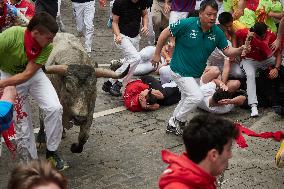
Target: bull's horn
{"x": 56, "y": 69}
{"x": 101, "y": 72}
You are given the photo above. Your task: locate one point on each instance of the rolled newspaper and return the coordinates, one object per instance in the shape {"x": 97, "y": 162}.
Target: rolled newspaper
{"x": 247, "y": 44}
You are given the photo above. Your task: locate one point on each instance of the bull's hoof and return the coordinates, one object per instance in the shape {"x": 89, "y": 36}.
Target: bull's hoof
{"x": 76, "y": 148}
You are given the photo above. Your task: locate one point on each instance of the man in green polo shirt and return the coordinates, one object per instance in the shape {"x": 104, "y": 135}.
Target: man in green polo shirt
{"x": 195, "y": 39}
{"x": 23, "y": 51}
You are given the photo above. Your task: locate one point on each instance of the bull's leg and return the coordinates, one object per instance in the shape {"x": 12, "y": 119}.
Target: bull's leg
{"x": 41, "y": 137}
{"x": 82, "y": 138}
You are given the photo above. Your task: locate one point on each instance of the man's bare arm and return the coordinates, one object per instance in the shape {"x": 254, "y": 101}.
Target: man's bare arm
{"x": 21, "y": 77}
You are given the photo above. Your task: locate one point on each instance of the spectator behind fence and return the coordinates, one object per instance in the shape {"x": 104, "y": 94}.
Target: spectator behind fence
{"x": 208, "y": 141}
{"x": 37, "y": 175}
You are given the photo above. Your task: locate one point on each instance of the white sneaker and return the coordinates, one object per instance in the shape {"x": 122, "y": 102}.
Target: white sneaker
{"x": 254, "y": 111}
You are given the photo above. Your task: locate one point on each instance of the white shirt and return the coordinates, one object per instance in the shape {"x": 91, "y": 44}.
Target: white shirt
{"x": 208, "y": 90}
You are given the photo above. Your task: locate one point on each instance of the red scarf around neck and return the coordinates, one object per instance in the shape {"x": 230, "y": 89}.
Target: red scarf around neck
{"x": 32, "y": 48}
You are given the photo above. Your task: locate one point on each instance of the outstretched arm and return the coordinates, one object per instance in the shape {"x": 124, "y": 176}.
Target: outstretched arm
{"x": 161, "y": 41}
{"x": 21, "y": 77}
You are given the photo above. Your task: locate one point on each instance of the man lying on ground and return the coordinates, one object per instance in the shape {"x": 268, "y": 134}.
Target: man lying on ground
{"x": 147, "y": 93}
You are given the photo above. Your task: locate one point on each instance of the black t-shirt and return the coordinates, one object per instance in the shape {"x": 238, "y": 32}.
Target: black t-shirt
{"x": 129, "y": 16}
{"x": 49, "y": 6}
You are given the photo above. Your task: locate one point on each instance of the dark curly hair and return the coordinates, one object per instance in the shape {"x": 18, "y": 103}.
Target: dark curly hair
{"x": 206, "y": 132}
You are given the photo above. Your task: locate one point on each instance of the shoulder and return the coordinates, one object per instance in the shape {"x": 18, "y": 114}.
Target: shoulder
{"x": 217, "y": 30}
{"x": 119, "y": 2}
{"x": 15, "y": 30}
{"x": 186, "y": 22}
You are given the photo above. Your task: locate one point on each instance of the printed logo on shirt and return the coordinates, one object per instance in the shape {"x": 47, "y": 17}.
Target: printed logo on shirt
{"x": 212, "y": 37}
{"x": 193, "y": 34}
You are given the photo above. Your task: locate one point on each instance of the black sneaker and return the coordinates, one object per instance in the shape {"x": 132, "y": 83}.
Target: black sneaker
{"x": 106, "y": 86}
{"x": 115, "y": 89}
{"x": 175, "y": 126}
{"x": 278, "y": 110}
{"x": 56, "y": 161}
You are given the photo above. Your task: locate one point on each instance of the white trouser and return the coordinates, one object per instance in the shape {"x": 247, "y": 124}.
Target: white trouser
{"x": 151, "y": 36}
{"x": 165, "y": 74}
{"x": 130, "y": 49}
{"x": 43, "y": 92}
{"x": 145, "y": 66}
{"x": 191, "y": 96}
{"x": 176, "y": 16}
{"x": 110, "y": 8}
{"x": 84, "y": 15}
{"x": 250, "y": 67}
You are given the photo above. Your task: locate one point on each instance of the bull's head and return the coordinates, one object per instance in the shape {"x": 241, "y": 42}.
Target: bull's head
{"x": 78, "y": 90}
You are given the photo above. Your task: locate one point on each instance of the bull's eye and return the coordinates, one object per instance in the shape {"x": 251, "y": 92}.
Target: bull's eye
{"x": 70, "y": 86}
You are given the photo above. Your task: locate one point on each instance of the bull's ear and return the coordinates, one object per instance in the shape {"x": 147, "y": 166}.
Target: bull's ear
{"x": 56, "y": 69}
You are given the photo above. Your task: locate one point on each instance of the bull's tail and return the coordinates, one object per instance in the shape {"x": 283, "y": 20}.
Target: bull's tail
{"x": 101, "y": 72}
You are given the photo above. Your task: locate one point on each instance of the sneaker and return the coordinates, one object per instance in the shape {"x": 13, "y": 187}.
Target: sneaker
{"x": 106, "y": 86}
{"x": 109, "y": 23}
{"x": 254, "y": 111}
{"x": 115, "y": 89}
{"x": 56, "y": 161}
{"x": 175, "y": 126}
{"x": 276, "y": 109}
{"x": 279, "y": 158}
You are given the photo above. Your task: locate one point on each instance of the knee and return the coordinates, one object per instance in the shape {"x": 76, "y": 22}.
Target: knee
{"x": 163, "y": 71}
{"x": 147, "y": 52}
{"x": 55, "y": 109}
{"x": 136, "y": 58}
{"x": 214, "y": 70}
{"x": 234, "y": 85}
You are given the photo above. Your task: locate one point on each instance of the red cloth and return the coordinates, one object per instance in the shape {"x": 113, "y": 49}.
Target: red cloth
{"x": 26, "y": 8}
{"x": 33, "y": 49}
{"x": 131, "y": 95}
{"x": 182, "y": 173}
{"x": 240, "y": 140}
{"x": 259, "y": 47}
{"x": 252, "y": 4}
{"x": 10, "y": 132}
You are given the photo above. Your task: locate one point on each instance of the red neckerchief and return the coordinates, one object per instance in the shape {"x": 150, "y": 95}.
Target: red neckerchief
{"x": 32, "y": 48}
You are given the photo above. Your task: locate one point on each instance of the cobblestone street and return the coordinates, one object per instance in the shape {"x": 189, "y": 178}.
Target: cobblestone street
{"x": 123, "y": 151}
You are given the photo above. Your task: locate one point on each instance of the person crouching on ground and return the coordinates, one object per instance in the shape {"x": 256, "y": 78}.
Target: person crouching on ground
{"x": 208, "y": 142}
{"x": 219, "y": 97}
